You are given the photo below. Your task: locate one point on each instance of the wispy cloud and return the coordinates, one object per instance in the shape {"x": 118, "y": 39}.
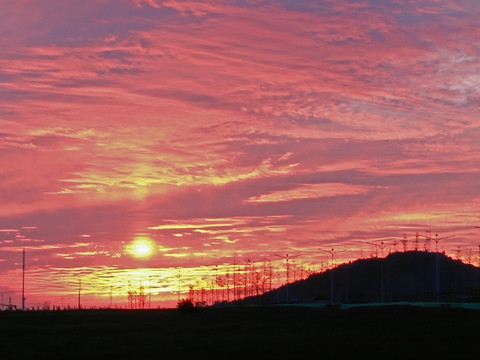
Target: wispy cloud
{"x": 310, "y": 191}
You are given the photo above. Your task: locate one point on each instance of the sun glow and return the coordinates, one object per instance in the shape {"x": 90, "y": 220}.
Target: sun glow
{"x": 141, "y": 247}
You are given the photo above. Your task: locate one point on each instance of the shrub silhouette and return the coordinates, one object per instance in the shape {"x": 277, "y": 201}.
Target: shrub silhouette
{"x": 185, "y": 305}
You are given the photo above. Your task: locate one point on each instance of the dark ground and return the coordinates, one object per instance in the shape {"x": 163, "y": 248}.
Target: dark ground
{"x": 274, "y": 332}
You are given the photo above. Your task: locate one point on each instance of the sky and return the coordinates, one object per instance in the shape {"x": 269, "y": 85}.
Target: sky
{"x": 158, "y": 147}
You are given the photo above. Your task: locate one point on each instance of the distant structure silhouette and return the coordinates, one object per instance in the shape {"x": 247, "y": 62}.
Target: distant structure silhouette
{"x": 79, "y": 293}
{"x": 23, "y": 281}
{"x": 332, "y": 253}
{"x": 287, "y": 258}
{"x": 404, "y": 242}
{"x": 425, "y": 273}
{"x": 381, "y": 246}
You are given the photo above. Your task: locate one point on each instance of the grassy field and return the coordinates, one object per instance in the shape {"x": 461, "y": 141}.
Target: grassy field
{"x": 275, "y": 332}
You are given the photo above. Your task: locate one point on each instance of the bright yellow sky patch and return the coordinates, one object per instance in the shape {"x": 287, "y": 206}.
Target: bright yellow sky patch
{"x": 141, "y": 247}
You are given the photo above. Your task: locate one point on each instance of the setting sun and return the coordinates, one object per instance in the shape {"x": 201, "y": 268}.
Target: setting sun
{"x": 169, "y": 149}
{"x": 141, "y": 247}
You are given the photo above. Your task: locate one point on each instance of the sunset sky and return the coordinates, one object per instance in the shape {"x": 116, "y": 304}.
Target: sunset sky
{"x": 156, "y": 143}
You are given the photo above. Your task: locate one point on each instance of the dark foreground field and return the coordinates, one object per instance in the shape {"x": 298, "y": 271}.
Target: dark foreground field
{"x": 275, "y": 332}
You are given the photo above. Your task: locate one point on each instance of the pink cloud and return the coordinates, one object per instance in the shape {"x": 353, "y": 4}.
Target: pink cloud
{"x": 233, "y": 129}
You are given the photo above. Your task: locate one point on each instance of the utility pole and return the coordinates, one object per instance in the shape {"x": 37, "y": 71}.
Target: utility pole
{"x": 23, "y": 281}
{"x": 332, "y": 254}
{"x": 437, "y": 272}
{"x": 79, "y": 292}
{"x": 381, "y": 246}
{"x": 478, "y": 227}
{"x": 234, "y": 279}
{"x": 215, "y": 289}
{"x": 458, "y": 252}
{"x": 150, "y": 292}
{"x": 404, "y": 242}
{"x": 428, "y": 238}
{"x": 437, "y": 239}
{"x": 178, "y": 288}
{"x": 288, "y": 271}
{"x": 227, "y": 275}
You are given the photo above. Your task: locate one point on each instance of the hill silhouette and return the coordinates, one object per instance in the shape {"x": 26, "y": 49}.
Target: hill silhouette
{"x": 401, "y": 276}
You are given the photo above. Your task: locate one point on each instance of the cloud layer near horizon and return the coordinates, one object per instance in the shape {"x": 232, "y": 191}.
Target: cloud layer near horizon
{"x": 240, "y": 128}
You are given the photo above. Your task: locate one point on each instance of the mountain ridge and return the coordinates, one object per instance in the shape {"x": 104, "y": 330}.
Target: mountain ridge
{"x": 414, "y": 276}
